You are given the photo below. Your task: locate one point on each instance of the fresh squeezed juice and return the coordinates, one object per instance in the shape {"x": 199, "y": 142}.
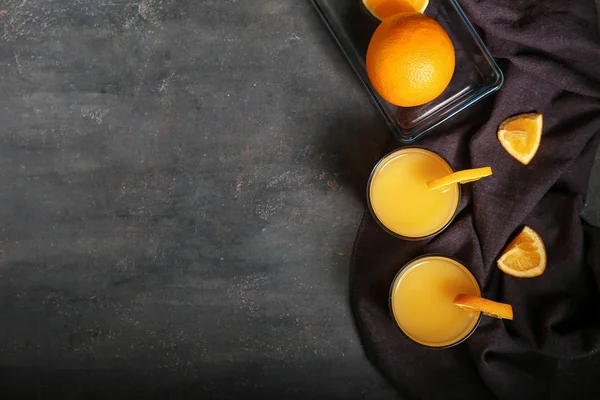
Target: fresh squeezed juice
{"x": 422, "y": 301}
{"x": 399, "y": 197}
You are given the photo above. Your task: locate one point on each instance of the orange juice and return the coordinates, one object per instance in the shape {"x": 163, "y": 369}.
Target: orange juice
{"x": 422, "y": 301}
{"x": 399, "y": 197}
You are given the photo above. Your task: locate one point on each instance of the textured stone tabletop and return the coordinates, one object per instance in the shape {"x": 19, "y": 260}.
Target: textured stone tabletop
{"x": 181, "y": 186}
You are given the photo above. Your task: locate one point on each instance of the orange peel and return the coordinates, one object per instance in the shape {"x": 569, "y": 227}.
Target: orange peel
{"x": 525, "y": 256}
{"x": 382, "y": 9}
{"x": 464, "y": 176}
{"x": 486, "y": 306}
{"x": 521, "y": 135}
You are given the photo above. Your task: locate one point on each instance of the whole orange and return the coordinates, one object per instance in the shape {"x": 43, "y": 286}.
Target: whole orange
{"x": 410, "y": 59}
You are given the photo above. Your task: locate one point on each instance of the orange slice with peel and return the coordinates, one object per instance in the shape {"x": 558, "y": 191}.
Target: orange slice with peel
{"x": 488, "y": 307}
{"x": 525, "y": 256}
{"x": 381, "y": 9}
{"x": 521, "y": 136}
{"x": 464, "y": 176}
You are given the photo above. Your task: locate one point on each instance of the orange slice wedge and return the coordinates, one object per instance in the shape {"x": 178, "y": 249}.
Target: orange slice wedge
{"x": 521, "y": 136}
{"x": 464, "y": 176}
{"x": 525, "y": 256}
{"x": 488, "y": 307}
{"x": 381, "y": 9}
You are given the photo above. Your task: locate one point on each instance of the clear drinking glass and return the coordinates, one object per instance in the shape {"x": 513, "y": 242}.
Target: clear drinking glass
{"x": 421, "y": 301}
{"x": 398, "y": 198}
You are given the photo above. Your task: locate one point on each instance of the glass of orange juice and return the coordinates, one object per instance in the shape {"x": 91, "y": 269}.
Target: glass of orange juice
{"x": 399, "y": 199}
{"x": 422, "y": 301}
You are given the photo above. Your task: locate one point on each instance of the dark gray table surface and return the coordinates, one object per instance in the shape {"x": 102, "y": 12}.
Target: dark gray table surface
{"x": 181, "y": 182}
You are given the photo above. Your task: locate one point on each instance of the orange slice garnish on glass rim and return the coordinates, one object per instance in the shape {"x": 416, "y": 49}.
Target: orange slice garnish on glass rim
{"x": 488, "y": 307}
{"x": 464, "y": 176}
{"x": 525, "y": 256}
{"x": 521, "y": 136}
{"x": 381, "y": 9}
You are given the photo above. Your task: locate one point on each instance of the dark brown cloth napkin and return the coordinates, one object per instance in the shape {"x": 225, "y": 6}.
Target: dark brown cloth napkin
{"x": 550, "y": 54}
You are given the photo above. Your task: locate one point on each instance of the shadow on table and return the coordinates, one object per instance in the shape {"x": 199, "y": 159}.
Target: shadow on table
{"x": 351, "y": 147}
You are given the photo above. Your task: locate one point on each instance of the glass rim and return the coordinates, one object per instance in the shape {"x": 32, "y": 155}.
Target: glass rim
{"x": 381, "y": 224}
{"x": 391, "y": 311}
